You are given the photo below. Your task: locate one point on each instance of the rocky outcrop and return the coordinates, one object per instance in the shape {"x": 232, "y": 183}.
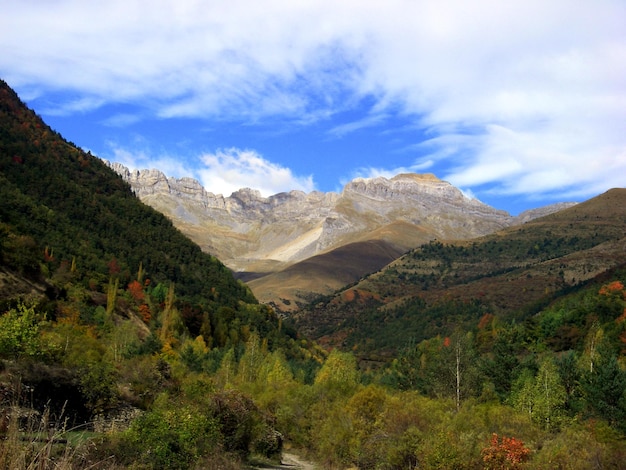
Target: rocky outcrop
{"x": 154, "y": 182}
{"x": 531, "y": 214}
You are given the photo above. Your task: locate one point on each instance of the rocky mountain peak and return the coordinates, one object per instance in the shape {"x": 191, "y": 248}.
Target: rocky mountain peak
{"x": 531, "y": 214}
{"x": 248, "y": 197}
{"x": 418, "y": 177}
{"x": 404, "y": 186}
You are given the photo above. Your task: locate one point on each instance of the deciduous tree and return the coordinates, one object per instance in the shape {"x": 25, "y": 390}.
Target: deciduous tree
{"x": 339, "y": 375}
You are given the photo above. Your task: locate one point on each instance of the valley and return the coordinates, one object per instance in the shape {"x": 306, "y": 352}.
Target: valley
{"x": 396, "y": 325}
{"x": 512, "y": 273}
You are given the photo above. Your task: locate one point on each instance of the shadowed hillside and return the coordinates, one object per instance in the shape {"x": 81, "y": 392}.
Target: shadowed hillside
{"x": 297, "y": 283}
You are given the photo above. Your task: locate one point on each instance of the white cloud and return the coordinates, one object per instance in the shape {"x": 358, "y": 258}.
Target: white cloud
{"x": 541, "y": 85}
{"x": 226, "y": 171}
{"x": 222, "y": 172}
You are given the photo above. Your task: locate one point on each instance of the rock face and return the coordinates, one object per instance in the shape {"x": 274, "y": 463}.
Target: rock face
{"x": 246, "y": 228}
{"x": 257, "y": 235}
{"x": 531, "y": 214}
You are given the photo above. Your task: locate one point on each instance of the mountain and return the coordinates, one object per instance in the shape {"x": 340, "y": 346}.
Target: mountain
{"x": 510, "y": 273}
{"x": 123, "y": 345}
{"x": 62, "y": 208}
{"x": 292, "y": 246}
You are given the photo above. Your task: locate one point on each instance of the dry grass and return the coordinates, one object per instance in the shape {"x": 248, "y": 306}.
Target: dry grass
{"x": 33, "y": 441}
{"x": 324, "y": 273}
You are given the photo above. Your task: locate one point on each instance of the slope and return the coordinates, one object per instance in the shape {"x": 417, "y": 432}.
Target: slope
{"x": 268, "y": 241}
{"x": 292, "y": 287}
{"x": 61, "y": 205}
{"x": 108, "y": 314}
{"x": 439, "y": 285}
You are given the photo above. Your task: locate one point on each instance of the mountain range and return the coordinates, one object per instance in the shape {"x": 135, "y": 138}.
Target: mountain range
{"x": 381, "y": 262}
{"x": 291, "y": 247}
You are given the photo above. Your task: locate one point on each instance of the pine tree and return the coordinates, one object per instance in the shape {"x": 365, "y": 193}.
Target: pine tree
{"x": 605, "y": 390}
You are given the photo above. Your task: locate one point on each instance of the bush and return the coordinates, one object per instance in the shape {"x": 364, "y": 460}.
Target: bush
{"x": 19, "y": 333}
{"x": 173, "y": 436}
{"x": 243, "y": 428}
{"x": 506, "y": 453}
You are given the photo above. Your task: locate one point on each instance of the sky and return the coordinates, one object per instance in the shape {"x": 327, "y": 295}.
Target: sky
{"x": 517, "y": 103}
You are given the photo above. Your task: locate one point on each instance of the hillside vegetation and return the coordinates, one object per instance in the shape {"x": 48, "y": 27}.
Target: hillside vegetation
{"x": 101, "y": 292}
{"x": 122, "y": 345}
{"x": 54, "y": 195}
{"x": 511, "y": 274}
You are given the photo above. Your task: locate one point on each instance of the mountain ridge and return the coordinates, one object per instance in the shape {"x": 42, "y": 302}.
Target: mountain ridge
{"x": 58, "y": 198}
{"x": 261, "y": 237}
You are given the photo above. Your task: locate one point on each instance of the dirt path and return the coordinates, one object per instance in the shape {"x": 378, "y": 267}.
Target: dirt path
{"x": 293, "y": 461}
{"x": 289, "y": 461}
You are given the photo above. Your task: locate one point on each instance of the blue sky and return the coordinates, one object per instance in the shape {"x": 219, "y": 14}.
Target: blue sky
{"x": 517, "y": 103}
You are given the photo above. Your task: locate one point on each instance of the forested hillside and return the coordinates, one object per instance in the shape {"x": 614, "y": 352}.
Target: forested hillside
{"x": 122, "y": 345}
{"x": 100, "y": 293}
{"x": 58, "y": 198}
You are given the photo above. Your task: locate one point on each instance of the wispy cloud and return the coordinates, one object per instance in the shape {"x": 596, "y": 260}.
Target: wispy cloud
{"x": 75, "y": 106}
{"x": 363, "y": 123}
{"x": 121, "y": 120}
{"x": 541, "y": 86}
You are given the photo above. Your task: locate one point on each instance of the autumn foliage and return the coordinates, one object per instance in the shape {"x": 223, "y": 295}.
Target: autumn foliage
{"x": 485, "y": 320}
{"x": 506, "y": 453}
{"x": 611, "y": 288}
{"x": 136, "y": 291}
{"x": 144, "y": 311}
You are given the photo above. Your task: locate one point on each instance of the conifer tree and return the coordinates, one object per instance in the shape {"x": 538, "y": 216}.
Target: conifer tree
{"x": 605, "y": 390}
